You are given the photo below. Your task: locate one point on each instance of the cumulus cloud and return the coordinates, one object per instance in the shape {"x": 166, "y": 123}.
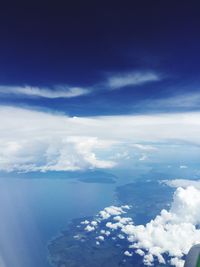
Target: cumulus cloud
{"x": 56, "y": 92}
{"x": 104, "y": 232}
{"x": 139, "y": 252}
{"x": 66, "y": 154}
{"x": 132, "y": 78}
{"x": 45, "y": 154}
{"x": 167, "y": 237}
{"x": 38, "y": 141}
{"x": 85, "y": 222}
{"x": 89, "y": 228}
{"x": 94, "y": 223}
{"x": 127, "y": 253}
{"x": 121, "y": 236}
{"x": 183, "y": 166}
{"x": 172, "y": 232}
{"x": 35, "y": 140}
{"x": 112, "y": 211}
{"x": 100, "y": 238}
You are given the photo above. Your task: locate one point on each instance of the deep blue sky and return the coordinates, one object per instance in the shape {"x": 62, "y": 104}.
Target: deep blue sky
{"x": 81, "y": 43}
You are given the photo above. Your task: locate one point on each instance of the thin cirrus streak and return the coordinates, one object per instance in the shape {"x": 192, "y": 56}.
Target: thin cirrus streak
{"x": 56, "y": 92}
{"x": 113, "y": 82}
{"x": 121, "y": 80}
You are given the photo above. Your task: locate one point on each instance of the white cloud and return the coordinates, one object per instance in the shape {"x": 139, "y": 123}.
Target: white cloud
{"x": 120, "y": 223}
{"x": 132, "y": 78}
{"x": 112, "y": 211}
{"x": 183, "y": 166}
{"x": 177, "y": 262}
{"x": 38, "y": 141}
{"x": 44, "y": 154}
{"x": 184, "y": 183}
{"x": 167, "y": 237}
{"x": 89, "y": 228}
{"x": 140, "y": 252}
{"x": 144, "y": 147}
{"x": 143, "y": 157}
{"x": 100, "y": 238}
{"x": 56, "y": 92}
{"x": 189, "y": 100}
{"x": 85, "y": 222}
{"x": 165, "y": 234}
{"x": 127, "y": 253}
{"x": 148, "y": 259}
{"x": 104, "y": 232}
{"x": 34, "y": 140}
{"x": 94, "y": 223}
{"x": 121, "y": 236}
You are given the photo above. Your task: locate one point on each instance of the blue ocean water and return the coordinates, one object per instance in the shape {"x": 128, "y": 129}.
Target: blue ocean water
{"x": 32, "y": 211}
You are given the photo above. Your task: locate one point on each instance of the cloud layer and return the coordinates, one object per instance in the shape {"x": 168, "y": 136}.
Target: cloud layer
{"x": 166, "y": 238}
{"x": 47, "y": 154}
{"x": 36, "y": 140}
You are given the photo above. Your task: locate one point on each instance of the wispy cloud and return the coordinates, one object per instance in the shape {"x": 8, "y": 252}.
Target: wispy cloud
{"x": 177, "y": 101}
{"x": 144, "y": 147}
{"x": 113, "y": 82}
{"x": 132, "y": 79}
{"x": 56, "y": 92}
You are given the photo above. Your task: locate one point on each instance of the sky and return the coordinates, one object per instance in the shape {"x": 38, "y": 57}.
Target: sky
{"x": 122, "y": 58}
{"x": 85, "y": 84}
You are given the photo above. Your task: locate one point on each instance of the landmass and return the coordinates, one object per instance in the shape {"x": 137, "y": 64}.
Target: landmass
{"x": 76, "y": 247}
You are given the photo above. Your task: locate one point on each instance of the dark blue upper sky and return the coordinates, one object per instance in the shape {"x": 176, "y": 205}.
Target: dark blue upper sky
{"x": 86, "y": 43}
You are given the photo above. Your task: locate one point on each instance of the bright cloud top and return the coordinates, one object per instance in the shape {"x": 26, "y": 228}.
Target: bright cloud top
{"x": 168, "y": 237}
{"x": 182, "y": 183}
{"x": 47, "y": 154}
{"x": 132, "y": 78}
{"x": 56, "y": 92}
{"x": 35, "y": 140}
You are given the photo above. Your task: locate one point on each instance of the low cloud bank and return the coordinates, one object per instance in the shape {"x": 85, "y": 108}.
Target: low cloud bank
{"x": 33, "y": 140}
